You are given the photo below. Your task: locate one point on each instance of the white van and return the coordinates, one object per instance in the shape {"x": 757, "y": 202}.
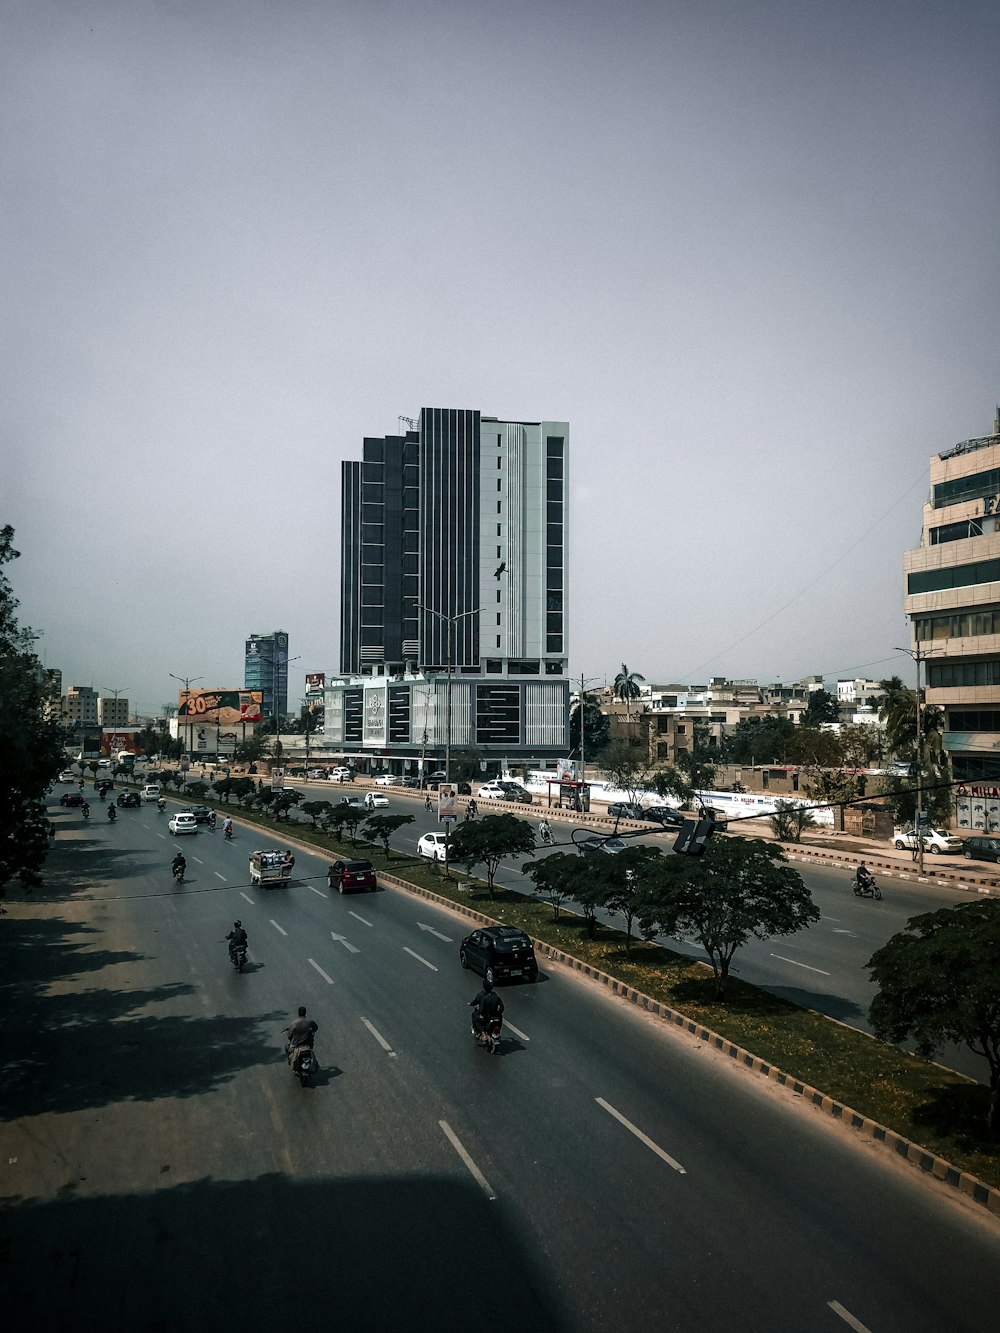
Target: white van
{"x": 151, "y": 793}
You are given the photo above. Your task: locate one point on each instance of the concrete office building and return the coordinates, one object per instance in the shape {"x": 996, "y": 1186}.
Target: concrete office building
{"x": 266, "y": 669}
{"x": 112, "y": 712}
{"x": 953, "y": 600}
{"x": 454, "y": 554}
{"x": 79, "y": 704}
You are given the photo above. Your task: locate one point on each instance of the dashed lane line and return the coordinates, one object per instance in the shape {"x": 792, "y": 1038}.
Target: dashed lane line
{"x": 247, "y": 898}
{"x": 848, "y": 1318}
{"x": 278, "y": 928}
{"x": 220, "y": 876}
{"x": 319, "y": 892}
{"x": 328, "y": 979}
{"x": 419, "y": 959}
{"x": 379, "y": 1038}
{"x": 358, "y": 918}
{"x": 643, "y": 1138}
{"x": 523, "y": 1035}
{"x": 196, "y": 860}
{"x": 796, "y": 963}
{"x": 473, "y": 1170}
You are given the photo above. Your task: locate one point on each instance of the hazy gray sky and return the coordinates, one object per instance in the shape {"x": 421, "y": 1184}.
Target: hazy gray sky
{"x": 749, "y": 250}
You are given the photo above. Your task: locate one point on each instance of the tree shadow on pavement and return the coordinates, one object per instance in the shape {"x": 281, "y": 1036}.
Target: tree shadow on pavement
{"x": 402, "y": 1253}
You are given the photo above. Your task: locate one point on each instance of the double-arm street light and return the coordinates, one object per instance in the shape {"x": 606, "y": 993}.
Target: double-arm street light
{"x": 451, "y": 622}
{"x": 186, "y": 681}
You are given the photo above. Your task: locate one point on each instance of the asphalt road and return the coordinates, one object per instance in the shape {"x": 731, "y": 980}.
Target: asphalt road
{"x": 602, "y": 1170}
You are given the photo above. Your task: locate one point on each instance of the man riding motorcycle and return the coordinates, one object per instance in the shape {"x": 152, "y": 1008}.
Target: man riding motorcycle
{"x": 863, "y": 877}
{"x": 544, "y": 832}
{"x": 237, "y": 938}
{"x": 227, "y": 827}
{"x": 485, "y": 1006}
{"x": 112, "y": 813}
{"x": 85, "y": 808}
{"x": 161, "y": 805}
{"x": 301, "y": 1034}
{"x": 178, "y": 866}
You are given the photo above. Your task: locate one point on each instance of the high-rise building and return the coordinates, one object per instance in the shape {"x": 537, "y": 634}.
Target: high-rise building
{"x": 112, "y": 712}
{"x": 266, "y": 669}
{"x": 953, "y": 601}
{"x": 80, "y": 705}
{"x": 454, "y": 563}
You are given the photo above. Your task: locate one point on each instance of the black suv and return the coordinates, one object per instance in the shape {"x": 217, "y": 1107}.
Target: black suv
{"x": 128, "y": 800}
{"x": 515, "y": 792}
{"x": 498, "y": 953}
{"x": 201, "y": 813}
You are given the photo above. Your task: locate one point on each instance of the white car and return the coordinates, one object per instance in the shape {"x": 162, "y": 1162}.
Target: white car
{"x": 935, "y": 840}
{"x": 183, "y": 823}
{"x": 341, "y": 774}
{"x": 374, "y": 798}
{"x": 387, "y": 780}
{"x": 151, "y": 793}
{"x": 432, "y": 845}
{"x": 315, "y": 774}
{"x": 491, "y": 792}
{"x": 67, "y": 775}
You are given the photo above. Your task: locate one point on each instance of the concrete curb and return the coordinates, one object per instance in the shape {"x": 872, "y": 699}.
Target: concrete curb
{"x": 880, "y": 1135}
{"x": 945, "y": 878}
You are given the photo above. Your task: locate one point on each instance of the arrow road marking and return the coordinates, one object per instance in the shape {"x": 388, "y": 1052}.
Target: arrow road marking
{"x": 633, "y": 1129}
{"x": 276, "y": 926}
{"x": 419, "y": 959}
{"x": 379, "y": 1038}
{"x": 346, "y": 943}
{"x": 796, "y": 963}
{"x": 474, "y": 1170}
{"x": 431, "y": 931}
{"x": 327, "y": 979}
{"x": 358, "y": 918}
{"x": 847, "y": 1317}
{"x": 248, "y": 898}
{"x": 523, "y": 1035}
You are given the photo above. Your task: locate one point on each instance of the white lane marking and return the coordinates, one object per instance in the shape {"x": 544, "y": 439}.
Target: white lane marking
{"x": 318, "y": 892}
{"x": 643, "y": 1138}
{"x": 276, "y": 926}
{"x": 431, "y": 931}
{"x": 523, "y": 1035}
{"x": 796, "y": 963}
{"x": 379, "y": 1038}
{"x": 848, "y": 1318}
{"x": 346, "y": 943}
{"x": 248, "y": 898}
{"x": 841, "y": 931}
{"x": 419, "y": 959}
{"x": 222, "y": 877}
{"x": 163, "y": 836}
{"x": 829, "y": 918}
{"x": 316, "y": 965}
{"x": 196, "y": 861}
{"x": 358, "y": 918}
{"x": 474, "y": 1170}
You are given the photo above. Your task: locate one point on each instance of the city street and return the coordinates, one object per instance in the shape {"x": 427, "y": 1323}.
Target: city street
{"x": 602, "y": 1169}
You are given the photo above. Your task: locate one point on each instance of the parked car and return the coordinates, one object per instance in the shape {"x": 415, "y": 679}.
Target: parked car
{"x": 374, "y": 798}
{"x": 438, "y": 775}
{"x": 316, "y": 774}
{"x": 184, "y": 822}
{"x": 598, "y": 842}
{"x": 71, "y": 798}
{"x": 387, "y": 780}
{"x": 151, "y": 793}
{"x": 355, "y": 802}
{"x": 431, "y": 845}
{"x": 67, "y": 775}
{"x": 626, "y": 810}
{"x": 665, "y": 815}
{"x": 935, "y": 840}
{"x": 352, "y": 876}
{"x": 201, "y": 813}
{"x": 341, "y": 774}
{"x": 128, "y": 800}
{"x": 982, "y": 849}
{"x": 499, "y": 953}
{"x": 491, "y": 792}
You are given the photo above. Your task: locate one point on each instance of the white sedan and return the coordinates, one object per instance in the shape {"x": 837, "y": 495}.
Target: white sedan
{"x": 432, "y": 845}
{"x": 183, "y": 823}
{"x": 491, "y": 792}
{"x": 387, "y": 780}
{"x": 374, "y": 798}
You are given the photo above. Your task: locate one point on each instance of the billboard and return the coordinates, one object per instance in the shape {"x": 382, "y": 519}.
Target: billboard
{"x": 315, "y": 682}
{"x": 223, "y": 707}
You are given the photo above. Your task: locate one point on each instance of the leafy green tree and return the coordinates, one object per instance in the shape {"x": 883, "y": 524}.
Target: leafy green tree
{"x": 814, "y": 747}
{"x": 627, "y": 687}
{"x": 790, "y": 821}
{"x": 596, "y": 728}
{"x": 624, "y": 883}
{"x": 284, "y": 801}
{"x": 758, "y": 740}
{"x": 489, "y": 840}
{"x": 556, "y": 877}
{"x": 697, "y": 763}
{"x": 196, "y": 790}
{"x": 316, "y": 810}
{"x": 863, "y": 743}
{"x": 345, "y": 818}
{"x": 223, "y": 789}
{"x": 254, "y": 748}
{"x": 628, "y": 769}
{"x": 939, "y": 981}
{"x": 466, "y": 762}
{"x": 380, "y": 828}
{"x": 822, "y": 707}
{"x": 741, "y": 889}
{"x": 244, "y": 789}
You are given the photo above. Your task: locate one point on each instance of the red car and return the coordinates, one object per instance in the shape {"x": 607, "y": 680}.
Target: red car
{"x": 71, "y": 798}
{"x": 352, "y": 877}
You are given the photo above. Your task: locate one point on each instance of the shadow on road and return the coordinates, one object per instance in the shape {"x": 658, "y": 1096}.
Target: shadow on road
{"x": 399, "y": 1253}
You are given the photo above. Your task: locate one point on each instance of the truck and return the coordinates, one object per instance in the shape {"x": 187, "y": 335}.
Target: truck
{"x": 271, "y": 867}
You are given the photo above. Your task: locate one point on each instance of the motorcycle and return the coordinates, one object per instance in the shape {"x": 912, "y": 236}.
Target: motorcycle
{"x": 227, "y": 833}
{"x": 302, "y": 1060}
{"x": 867, "y": 889}
{"x": 546, "y": 838}
{"x": 177, "y": 871}
{"x": 112, "y": 814}
{"x": 488, "y": 1035}
{"x": 86, "y": 812}
{"x": 160, "y": 807}
{"x": 238, "y": 956}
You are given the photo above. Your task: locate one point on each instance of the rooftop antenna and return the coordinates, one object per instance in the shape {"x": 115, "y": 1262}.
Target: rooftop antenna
{"x": 409, "y": 421}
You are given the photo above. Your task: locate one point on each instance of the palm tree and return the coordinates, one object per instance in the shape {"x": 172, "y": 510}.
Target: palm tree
{"x": 626, "y": 687}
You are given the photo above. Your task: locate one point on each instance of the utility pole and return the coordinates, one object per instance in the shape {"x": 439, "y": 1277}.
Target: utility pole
{"x": 583, "y": 718}
{"x": 918, "y": 657}
{"x": 186, "y": 682}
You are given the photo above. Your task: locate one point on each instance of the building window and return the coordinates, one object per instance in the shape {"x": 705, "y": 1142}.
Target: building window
{"x": 978, "y": 720}
{"x": 955, "y": 532}
{"x": 948, "y": 675}
{"x": 978, "y": 486}
{"x": 498, "y": 617}
{"x": 553, "y": 668}
{"x": 493, "y": 667}
{"x": 498, "y": 640}
{"x": 955, "y": 576}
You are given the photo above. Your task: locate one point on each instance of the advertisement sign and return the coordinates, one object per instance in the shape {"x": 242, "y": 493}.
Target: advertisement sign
{"x": 120, "y": 738}
{"x": 221, "y": 707}
{"x": 447, "y": 796}
{"x": 315, "y": 682}
{"x": 277, "y": 779}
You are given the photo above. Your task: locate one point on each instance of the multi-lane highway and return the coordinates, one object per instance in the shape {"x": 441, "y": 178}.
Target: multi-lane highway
{"x": 601, "y": 1171}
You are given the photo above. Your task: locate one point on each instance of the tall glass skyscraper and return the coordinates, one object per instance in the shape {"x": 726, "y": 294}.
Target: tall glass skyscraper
{"x": 266, "y": 669}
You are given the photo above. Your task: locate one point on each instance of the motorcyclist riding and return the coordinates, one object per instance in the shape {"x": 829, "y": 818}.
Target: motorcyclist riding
{"x": 227, "y": 827}
{"x": 178, "y": 865}
{"x": 211, "y": 821}
{"x": 544, "y": 832}
{"x": 161, "y": 805}
{"x": 301, "y": 1033}
{"x": 237, "y": 938}
{"x": 112, "y": 813}
{"x": 86, "y": 809}
{"x": 863, "y": 877}
{"x": 485, "y": 1006}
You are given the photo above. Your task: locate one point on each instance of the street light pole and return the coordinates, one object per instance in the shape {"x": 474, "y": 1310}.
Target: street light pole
{"x": 918, "y": 657}
{"x": 186, "y": 681}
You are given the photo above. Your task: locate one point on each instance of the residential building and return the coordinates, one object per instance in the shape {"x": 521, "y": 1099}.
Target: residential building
{"x": 858, "y": 691}
{"x": 453, "y": 590}
{"x": 952, "y": 596}
{"x": 79, "y": 705}
{"x": 266, "y": 669}
{"x": 112, "y": 712}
